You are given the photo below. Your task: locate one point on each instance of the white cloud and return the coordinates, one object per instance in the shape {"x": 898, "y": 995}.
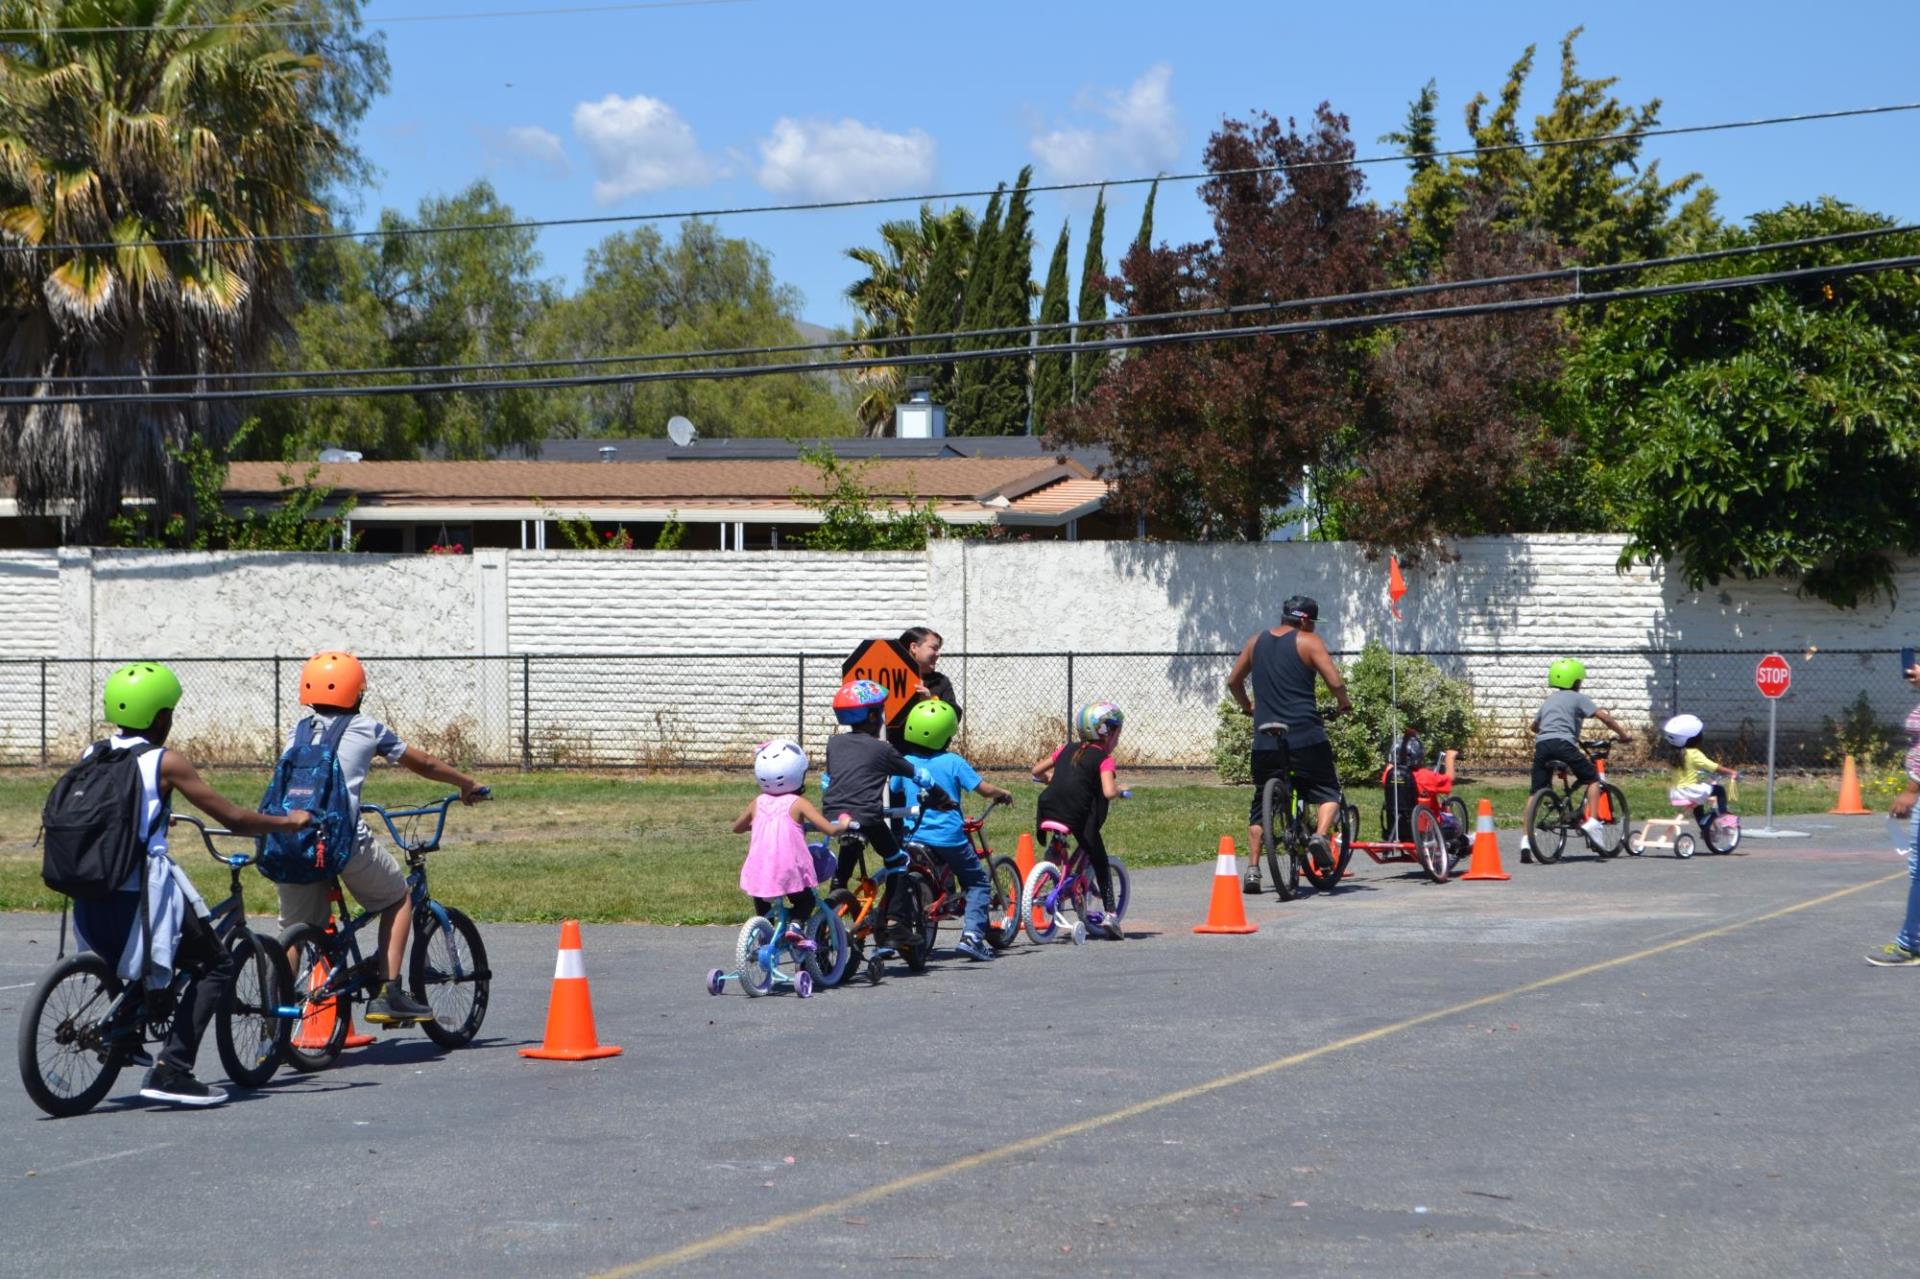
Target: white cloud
{"x": 533, "y": 146}
{"x": 638, "y": 145}
{"x": 1138, "y": 132}
{"x": 844, "y": 160}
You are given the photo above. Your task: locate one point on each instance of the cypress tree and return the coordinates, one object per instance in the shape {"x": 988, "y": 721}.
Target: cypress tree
{"x": 1052, "y": 374}
{"x": 970, "y": 377}
{"x": 1005, "y": 408}
{"x": 1145, "y": 239}
{"x": 937, "y": 308}
{"x": 1088, "y": 366}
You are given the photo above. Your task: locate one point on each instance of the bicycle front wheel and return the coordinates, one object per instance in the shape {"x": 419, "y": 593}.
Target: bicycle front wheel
{"x": 321, "y": 1031}
{"x": 1719, "y": 839}
{"x": 68, "y": 1060}
{"x": 448, "y": 973}
{"x": 1430, "y": 846}
{"x": 1038, "y": 913}
{"x": 248, "y": 1028}
{"x": 1003, "y": 909}
{"x": 1545, "y": 823}
{"x": 1324, "y": 872}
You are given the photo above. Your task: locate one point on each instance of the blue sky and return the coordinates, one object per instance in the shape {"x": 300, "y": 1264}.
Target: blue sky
{"x": 790, "y": 100}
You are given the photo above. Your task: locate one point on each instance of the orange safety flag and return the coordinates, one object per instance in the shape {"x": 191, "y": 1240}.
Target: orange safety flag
{"x": 1396, "y": 585}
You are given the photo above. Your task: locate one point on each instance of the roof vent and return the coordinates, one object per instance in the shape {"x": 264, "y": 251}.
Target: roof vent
{"x": 607, "y": 451}
{"x": 339, "y": 455}
{"x": 917, "y": 417}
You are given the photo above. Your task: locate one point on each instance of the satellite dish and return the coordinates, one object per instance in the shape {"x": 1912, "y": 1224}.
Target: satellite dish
{"x": 681, "y": 431}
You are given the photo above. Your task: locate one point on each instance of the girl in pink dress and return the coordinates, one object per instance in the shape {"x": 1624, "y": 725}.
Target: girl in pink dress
{"x": 779, "y": 863}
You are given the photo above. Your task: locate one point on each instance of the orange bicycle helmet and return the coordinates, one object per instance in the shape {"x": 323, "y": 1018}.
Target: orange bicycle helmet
{"x": 332, "y": 679}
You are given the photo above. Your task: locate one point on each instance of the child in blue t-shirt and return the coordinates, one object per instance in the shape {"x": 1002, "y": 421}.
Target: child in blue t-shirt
{"x": 929, "y": 727}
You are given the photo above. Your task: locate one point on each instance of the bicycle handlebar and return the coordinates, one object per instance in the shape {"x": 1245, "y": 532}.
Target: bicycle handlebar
{"x": 235, "y": 860}
{"x": 437, "y": 809}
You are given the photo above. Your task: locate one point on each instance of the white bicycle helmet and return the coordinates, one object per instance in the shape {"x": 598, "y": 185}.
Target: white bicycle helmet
{"x": 1682, "y": 729}
{"x": 780, "y": 767}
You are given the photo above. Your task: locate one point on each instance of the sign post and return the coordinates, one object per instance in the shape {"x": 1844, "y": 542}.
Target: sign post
{"x": 1773, "y": 677}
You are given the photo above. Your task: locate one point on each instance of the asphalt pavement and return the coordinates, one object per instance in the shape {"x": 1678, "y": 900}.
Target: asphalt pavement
{"x": 1643, "y": 1066}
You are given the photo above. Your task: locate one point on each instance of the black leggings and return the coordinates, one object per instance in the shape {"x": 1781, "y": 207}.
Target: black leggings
{"x": 1090, "y": 842}
{"x": 802, "y": 904}
{"x": 199, "y": 952}
{"x": 1719, "y": 802}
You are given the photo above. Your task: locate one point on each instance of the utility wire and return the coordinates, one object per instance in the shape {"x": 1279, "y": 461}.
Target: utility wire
{"x": 1834, "y": 271}
{"x": 1575, "y": 273}
{"x": 622, "y": 219}
{"x": 17, "y": 33}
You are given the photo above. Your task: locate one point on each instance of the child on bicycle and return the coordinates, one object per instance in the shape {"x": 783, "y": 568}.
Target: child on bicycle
{"x": 1556, "y": 728}
{"x": 1081, "y": 782}
{"x": 860, "y": 764}
{"x": 333, "y": 684}
{"x": 1693, "y": 781}
{"x": 139, "y": 702}
{"x": 929, "y": 731}
{"x": 779, "y": 863}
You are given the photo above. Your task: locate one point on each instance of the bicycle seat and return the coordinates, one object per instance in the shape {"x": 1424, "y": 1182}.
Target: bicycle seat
{"x": 1056, "y": 828}
{"x": 1273, "y": 728}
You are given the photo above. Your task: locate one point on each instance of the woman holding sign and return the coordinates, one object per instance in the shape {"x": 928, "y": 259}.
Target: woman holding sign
{"x": 923, "y": 645}
{"x": 1904, "y": 949}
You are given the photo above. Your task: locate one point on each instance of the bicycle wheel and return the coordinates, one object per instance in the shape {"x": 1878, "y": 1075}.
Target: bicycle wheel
{"x": 756, "y": 977}
{"x": 1122, "y": 887}
{"x": 449, "y": 974}
{"x": 831, "y": 954}
{"x": 250, "y": 1033}
{"x": 1276, "y": 839}
{"x": 1616, "y": 824}
{"x": 1324, "y": 872}
{"x": 930, "y": 915}
{"x": 910, "y": 909}
{"x": 1545, "y": 823}
{"x": 1430, "y": 846}
{"x": 66, "y": 1061}
{"x": 320, "y": 1033}
{"x": 1037, "y": 914}
{"x": 1719, "y": 839}
{"x": 853, "y": 922}
{"x": 1003, "y": 909}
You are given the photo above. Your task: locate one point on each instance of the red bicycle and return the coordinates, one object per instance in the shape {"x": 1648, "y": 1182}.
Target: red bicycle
{"x": 947, "y": 901}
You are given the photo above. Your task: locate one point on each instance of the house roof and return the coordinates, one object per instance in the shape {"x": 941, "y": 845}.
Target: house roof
{"x": 768, "y": 447}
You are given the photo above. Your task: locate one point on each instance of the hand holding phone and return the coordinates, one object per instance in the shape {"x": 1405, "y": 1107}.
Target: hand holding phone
{"x": 1906, "y": 661}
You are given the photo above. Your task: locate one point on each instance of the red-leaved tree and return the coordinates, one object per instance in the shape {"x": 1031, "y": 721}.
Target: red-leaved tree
{"x": 1211, "y": 439}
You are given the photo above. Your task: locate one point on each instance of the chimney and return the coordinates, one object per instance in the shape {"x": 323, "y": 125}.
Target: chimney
{"x": 917, "y": 417}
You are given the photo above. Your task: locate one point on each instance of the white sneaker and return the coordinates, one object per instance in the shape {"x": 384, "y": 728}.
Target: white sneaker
{"x": 1595, "y": 828}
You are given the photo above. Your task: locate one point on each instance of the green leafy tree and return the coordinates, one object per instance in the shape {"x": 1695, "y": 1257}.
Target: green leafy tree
{"x": 204, "y": 524}
{"x": 1089, "y": 366}
{"x": 976, "y": 310}
{"x": 127, "y": 123}
{"x": 1052, "y": 374}
{"x": 1771, "y": 431}
{"x": 854, "y": 517}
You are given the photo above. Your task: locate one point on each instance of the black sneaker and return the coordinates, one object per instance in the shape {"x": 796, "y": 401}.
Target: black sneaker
{"x": 395, "y": 1007}
{"x": 1526, "y": 853}
{"x": 973, "y": 946}
{"x": 179, "y": 1088}
{"x": 1250, "y": 882}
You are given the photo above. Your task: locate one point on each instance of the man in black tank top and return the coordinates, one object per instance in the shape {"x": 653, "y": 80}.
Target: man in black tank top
{"x": 1283, "y": 663}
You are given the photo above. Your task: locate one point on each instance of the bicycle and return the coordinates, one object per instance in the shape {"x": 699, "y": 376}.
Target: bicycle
{"x": 945, "y": 901}
{"x": 764, "y": 956}
{"x": 82, "y": 1025}
{"x": 1560, "y": 808}
{"x": 1666, "y": 832}
{"x": 855, "y": 907}
{"x": 1291, "y": 851}
{"x": 446, "y": 967}
{"x": 1062, "y": 881}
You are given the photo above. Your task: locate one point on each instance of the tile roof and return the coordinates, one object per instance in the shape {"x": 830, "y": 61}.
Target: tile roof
{"x": 1061, "y": 497}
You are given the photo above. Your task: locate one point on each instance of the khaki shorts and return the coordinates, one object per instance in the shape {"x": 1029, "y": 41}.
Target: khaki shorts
{"x": 371, "y": 875}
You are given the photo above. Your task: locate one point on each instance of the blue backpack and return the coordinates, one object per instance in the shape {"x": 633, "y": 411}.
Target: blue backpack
{"x": 308, "y": 778}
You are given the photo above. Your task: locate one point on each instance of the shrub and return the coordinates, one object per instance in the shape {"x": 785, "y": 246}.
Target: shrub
{"x": 1877, "y": 748}
{"x": 1437, "y": 707}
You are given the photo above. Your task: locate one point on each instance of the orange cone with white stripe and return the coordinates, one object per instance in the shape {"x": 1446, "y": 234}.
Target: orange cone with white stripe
{"x": 1226, "y": 913}
{"x": 1486, "y": 848}
{"x": 570, "y": 1034}
{"x": 1023, "y": 861}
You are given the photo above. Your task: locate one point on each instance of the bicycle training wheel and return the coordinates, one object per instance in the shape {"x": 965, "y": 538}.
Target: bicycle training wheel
{"x": 756, "y": 977}
{"x": 831, "y": 953}
{"x": 1430, "y": 846}
{"x": 449, "y": 974}
{"x": 67, "y": 1062}
{"x": 1545, "y": 823}
{"x": 1275, "y": 842}
{"x": 1037, "y": 903}
{"x": 320, "y": 1033}
{"x": 1003, "y": 908}
{"x": 248, "y": 1029}
{"x": 1615, "y": 824}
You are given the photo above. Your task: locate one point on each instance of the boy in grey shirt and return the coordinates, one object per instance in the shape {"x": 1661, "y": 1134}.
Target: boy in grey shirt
{"x": 1556, "y": 741}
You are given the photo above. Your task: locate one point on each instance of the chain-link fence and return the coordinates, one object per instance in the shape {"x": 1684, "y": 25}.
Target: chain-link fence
{"x": 709, "y": 709}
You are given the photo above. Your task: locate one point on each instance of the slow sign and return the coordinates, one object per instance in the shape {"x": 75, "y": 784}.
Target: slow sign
{"x": 1773, "y": 677}
{"x": 887, "y": 663}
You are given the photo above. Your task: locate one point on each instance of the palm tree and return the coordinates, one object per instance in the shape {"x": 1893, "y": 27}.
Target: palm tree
{"x": 887, "y": 299}
{"x": 183, "y": 120}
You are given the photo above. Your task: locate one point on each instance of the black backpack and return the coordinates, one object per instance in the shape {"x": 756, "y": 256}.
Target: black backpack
{"x": 92, "y": 844}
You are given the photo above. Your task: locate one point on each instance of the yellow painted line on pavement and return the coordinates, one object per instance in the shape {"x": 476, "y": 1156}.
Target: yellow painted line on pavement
{"x": 740, "y": 1235}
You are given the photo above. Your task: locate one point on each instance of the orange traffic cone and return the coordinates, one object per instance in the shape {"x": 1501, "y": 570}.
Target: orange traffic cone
{"x": 1023, "y": 861}
{"x": 1226, "y": 913}
{"x": 1602, "y": 806}
{"x": 316, "y": 1028}
{"x": 354, "y": 1038}
{"x": 1849, "y": 804}
{"x": 1485, "y": 863}
{"x": 570, "y": 1035}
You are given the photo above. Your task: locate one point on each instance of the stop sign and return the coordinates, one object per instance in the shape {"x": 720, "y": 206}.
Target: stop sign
{"x": 1773, "y": 677}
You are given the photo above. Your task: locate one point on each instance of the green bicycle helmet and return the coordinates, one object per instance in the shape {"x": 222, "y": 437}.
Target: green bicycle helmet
{"x": 1566, "y": 672}
{"x": 931, "y": 724}
{"x": 137, "y": 693}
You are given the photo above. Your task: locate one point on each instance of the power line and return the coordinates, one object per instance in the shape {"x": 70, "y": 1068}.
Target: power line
{"x": 1575, "y": 273}
{"x": 298, "y": 23}
{"x": 1832, "y": 271}
{"x": 815, "y": 206}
